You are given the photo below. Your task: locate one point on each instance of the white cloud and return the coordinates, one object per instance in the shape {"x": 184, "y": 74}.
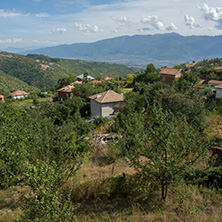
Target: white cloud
{"x": 122, "y": 20}
{"x": 58, "y": 30}
{"x": 10, "y": 14}
{"x": 190, "y": 22}
{"x": 88, "y": 28}
{"x": 212, "y": 14}
{"x": 171, "y": 27}
{"x": 14, "y": 40}
{"x": 154, "y": 21}
{"x": 42, "y": 15}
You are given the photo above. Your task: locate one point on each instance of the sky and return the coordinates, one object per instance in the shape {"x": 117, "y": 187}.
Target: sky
{"x": 43, "y": 23}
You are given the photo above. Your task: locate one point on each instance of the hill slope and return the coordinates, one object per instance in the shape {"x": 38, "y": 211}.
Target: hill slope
{"x": 160, "y": 49}
{"x": 42, "y": 71}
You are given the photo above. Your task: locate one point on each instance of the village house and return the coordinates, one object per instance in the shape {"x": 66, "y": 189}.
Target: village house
{"x": 218, "y": 91}
{"x": 214, "y": 83}
{"x": 107, "y": 78}
{"x": 168, "y": 75}
{"x": 81, "y": 77}
{"x": 2, "y": 98}
{"x": 105, "y": 103}
{"x": 19, "y": 94}
{"x": 65, "y": 92}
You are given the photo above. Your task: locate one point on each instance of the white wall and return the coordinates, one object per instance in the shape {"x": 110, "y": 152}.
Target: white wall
{"x": 219, "y": 93}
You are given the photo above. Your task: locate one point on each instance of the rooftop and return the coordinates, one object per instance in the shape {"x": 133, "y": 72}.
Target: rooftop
{"x": 170, "y": 71}
{"x": 215, "y": 82}
{"x": 107, "y": 97}
{"x": 66, "y": 89}
{"x": 19, "y": 93}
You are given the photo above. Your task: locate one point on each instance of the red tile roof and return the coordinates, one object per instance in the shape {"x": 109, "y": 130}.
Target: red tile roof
{"x": 107, "y": 97}
{"x": 19, "y": 93}
{"x": 218, "y": 68}
{"x": 95, "y": 81}
{"x": 170, "y": 71}
{"x": 66, "y": 89}
{"x": 107, "y": 78}
{"x": 215, "y": 82}
{"x": 76, "y": 82}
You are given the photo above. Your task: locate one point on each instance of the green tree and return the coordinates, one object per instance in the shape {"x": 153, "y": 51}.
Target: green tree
{"x": 160, "y": 146}
{"x": 85, "y": 76}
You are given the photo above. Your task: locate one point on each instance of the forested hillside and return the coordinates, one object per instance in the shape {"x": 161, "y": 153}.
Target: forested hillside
{"x": 42, "y": 71}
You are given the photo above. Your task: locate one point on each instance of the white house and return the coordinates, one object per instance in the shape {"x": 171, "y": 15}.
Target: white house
{"x": 218, "y": 91}
{"x": 19, "y": 94}
{"x": 81, "y": 77}
{"x": 105, "y": 103}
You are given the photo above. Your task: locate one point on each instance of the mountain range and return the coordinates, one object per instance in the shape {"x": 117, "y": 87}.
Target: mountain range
{"x": 159, "y": 49}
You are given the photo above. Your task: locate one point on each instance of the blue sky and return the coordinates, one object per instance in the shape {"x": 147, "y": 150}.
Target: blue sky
{"x": 42, "y": 23}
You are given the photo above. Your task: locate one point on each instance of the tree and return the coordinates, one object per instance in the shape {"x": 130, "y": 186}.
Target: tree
{"x": 85, "y": 76}
{"x": 160, "y": 146}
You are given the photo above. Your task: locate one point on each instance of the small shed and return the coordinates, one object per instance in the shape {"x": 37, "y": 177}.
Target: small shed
{"x": 105, "y": 103}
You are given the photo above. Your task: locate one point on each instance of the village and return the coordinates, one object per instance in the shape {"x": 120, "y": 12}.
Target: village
{"x": 108, "y": 139}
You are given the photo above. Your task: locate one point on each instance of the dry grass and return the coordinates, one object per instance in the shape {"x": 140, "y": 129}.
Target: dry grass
{"x": 214, "y": 126}
{"x": 10, "y": 201}
{"x": 93, "y": 202}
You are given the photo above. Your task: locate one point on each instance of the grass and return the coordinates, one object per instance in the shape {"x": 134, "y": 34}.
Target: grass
{"x": 29, "y": 102}
{"x": 104, "y": 190}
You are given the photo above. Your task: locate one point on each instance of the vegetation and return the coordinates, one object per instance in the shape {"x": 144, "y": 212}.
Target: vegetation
{"x": 38, "y": 71}
{"x": 153, "y": 165}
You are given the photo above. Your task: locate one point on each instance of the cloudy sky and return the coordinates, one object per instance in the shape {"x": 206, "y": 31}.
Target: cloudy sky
{"x": 41, "y": 23}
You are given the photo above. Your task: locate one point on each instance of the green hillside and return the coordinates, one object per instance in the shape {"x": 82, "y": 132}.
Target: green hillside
{"x": 11, "y": 83}
{"x": 42, "y": 71}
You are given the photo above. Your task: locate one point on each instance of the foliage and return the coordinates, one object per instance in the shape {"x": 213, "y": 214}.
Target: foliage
{"x": 38, "y": 71}
{"x": 48, "y": 202}
{"x": 160, "y": 146}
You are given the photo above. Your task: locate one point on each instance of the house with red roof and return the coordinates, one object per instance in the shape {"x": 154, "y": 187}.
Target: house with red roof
{"x": 105, "y": 103}
{"x": 65, "y": 92}
{"x": 19, "y": 94}
{"x": 214, "y": 83}
{"x": 168, "y": 75}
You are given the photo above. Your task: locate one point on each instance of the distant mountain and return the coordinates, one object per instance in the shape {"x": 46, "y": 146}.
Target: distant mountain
{"x": 160, "y": 49}
{"x": 39, "y": 71}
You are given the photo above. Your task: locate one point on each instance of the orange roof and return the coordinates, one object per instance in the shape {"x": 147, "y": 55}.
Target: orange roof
{"x": 19, "y": 93}
{"x": 66, "y": 89}
{"x": 1, "y": 96}
{"x": 107, "y": 97}
{"x": 215, "y": 82}
{"x": 95, "y": 81}
{"x": 218, "y": 68}
{"x": 76, "y": 82}
{"x": 170, "y": 71}
{"x": 107, "y": 78}
{"x": 218, "y": 87}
